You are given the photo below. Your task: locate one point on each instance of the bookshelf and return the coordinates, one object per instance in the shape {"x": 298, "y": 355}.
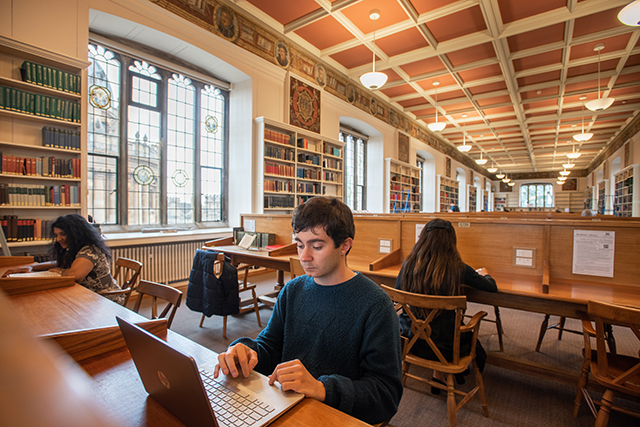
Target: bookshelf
{"x": 41, "y": 134}
{"x": 626, "y": 201}
{"x": 500, "y": 201}
{"x": 296, "y": 165}
{"x": 472, "y": 198}
{"x": 448, "y": 191}
{"x": 588, "y": 198}
{"x": 403, "y": 186}
{"x": 603, "y": 206}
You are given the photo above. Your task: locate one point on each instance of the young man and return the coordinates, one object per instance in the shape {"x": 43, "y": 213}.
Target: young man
{"x": 333, "y": 334}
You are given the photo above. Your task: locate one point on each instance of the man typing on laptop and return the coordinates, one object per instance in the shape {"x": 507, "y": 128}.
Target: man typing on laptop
{"x": 334, "y": 334}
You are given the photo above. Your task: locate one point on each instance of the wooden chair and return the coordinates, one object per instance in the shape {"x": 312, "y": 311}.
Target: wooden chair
{"x": 126, "y": 274}
{"x": 422, "y": 330}
{"x": 170, "y": 295}
{"x": 247, "y": 304}
{"x": 497, "y": 321}
{"x": 616, "y": 373}
{"x": 295, "y": 268}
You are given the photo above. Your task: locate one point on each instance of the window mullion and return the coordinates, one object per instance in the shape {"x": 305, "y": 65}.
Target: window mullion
{"x": 197, "y": 172}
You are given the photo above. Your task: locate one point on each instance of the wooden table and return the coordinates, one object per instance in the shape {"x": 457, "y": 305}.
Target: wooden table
{"x": 83, "y": 323}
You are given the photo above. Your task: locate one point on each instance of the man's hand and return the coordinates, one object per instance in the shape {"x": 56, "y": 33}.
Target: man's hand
{"x": 238, "y": 355}
{"x": 294, "y": 376}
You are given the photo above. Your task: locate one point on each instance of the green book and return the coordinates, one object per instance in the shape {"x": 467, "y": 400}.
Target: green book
{"x": 2, "y": 96}
{"x": 26, "y": 66}
{"x": 39, "y": 75}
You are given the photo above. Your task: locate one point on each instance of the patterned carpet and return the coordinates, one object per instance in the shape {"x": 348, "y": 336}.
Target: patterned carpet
{"x": 513, "y": 399}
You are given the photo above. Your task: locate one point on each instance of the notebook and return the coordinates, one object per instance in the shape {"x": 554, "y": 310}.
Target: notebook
{"x": 195, "y": 397}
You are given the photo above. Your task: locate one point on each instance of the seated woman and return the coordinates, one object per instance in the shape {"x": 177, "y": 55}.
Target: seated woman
{"x": 434, "y": 267}
{"x": 78, "y": 250}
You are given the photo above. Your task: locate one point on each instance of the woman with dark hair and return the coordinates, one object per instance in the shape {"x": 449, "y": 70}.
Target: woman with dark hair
{"x": 434, "y": 267}
{"x": 77, "y": 250}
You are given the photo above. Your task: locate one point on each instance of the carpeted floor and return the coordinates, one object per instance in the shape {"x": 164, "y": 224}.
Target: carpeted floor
{"x": 513, "y": 399}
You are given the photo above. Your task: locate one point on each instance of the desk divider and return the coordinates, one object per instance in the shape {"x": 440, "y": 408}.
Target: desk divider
{"x": 14, "y": 261}
{"x": 17, "y": 285}
{"x": 87, "y": 343}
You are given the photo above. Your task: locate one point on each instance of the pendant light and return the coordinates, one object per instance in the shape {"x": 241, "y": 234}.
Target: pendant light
{"x": 568, "y": 165}
{"x": 492, "y": 169}
{"x": 500, "y": 175}
{"x": 580, "y": 137}
{"x": 565, "y": 172}
{"x": 481, "y": 161}
{"x": 574, "y": 154}
{"x": 436, "y": 127}
{"x": 600, "y": 103}
{"x": 464, "y": 147}
{"x": 562, "y": 178}
{"x": 374, "y": 79}
{"x": 630, "y": 14}
{"x": 511, "y": 183}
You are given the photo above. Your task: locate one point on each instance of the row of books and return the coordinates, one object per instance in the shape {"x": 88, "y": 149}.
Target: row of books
{"x": 308, "y": 173}
{"x": 279, "y": 153}
{"x": 303, "y": 187}
{"x": 279, "y": 137}
{"x": 43, "y": 75}
{"x": 332, "y": 163}
{"x": 23, "y": 230}
{"x": 280, "y": 186}
{"x": 39, "y": 195}
{"x": 40, "y": 166}
{"x": 39, "y": 105}
{"x": 310, "y": 159}
{"x": 327, "y": 149}
{"x": 278, "y": 202}
{"x": 332, "y": 176}
{"x": 276, "y": 169}
{"x": 61, "y": 138}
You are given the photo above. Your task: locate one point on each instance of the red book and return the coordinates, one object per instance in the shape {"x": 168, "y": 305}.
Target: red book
{"x": 272, "y": 247}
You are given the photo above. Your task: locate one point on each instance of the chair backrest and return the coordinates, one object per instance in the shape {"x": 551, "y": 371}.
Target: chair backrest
{"x": 296, "y": 268}
{"x": 126, "y": 274}
{"x": 169, "y": 294}
{"x": 603, "y": 314}
{"x": 421, "y": 327}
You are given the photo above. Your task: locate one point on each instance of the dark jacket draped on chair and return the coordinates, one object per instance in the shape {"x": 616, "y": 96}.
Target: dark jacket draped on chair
{"x": 209, "y": 294}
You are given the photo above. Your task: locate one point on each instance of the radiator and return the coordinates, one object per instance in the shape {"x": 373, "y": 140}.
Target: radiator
{"x": 164, "y": 262}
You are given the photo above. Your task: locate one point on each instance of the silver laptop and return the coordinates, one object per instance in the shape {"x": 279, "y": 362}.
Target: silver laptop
{"x": 195, "y": 397}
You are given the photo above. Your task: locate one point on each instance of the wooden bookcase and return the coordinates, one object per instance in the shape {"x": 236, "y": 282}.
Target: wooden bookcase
{"x": 626, "y": 201}
{"x": 448, "y": 191}
{"x": 403, "y": 186}
{"x": 30, "y": 196}
{"x": 603, "y": 206}
{"x": 588, "y": 198}
{"x": 472, "y": 198}
{"x": 500, "y": 201}
{"x": 296, "y": 165}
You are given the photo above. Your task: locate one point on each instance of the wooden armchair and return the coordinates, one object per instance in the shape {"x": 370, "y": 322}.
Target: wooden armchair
{"x": 126, "y": 274}
{"x": 615, "y": 372}
{"x": 170, "y": 295}
{"x": 422, "y": 330}
{"x": 247, "y": 304}
{"x": 295, "y": 268}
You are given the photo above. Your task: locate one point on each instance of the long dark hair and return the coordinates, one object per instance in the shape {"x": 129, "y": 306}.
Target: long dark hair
{"x": 434, "y": 266}
{"x": 79, "y": 233}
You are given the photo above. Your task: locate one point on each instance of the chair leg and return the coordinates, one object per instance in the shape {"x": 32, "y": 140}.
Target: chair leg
{"x": 202, "y": 321}
{"x": 496, "y": 310}
{"x": 543, "y": 330}
{"x": 480, "y": 385}
{"x": 561, "y": 327}
{"x": 605, "y": 408}
{"x": 611, "y": 342}
{"x": 224, "y": 327}
{"x": 451, "y": 401}
{"x": 582, "y": 384}
{"x": 255, "y": 306}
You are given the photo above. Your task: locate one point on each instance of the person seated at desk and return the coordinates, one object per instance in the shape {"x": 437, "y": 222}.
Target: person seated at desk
{"x": 434, "y": 267}
{"x": 334, "y": 334}
{"x": 454, "y": 208}
{"x": 77, "y": 250}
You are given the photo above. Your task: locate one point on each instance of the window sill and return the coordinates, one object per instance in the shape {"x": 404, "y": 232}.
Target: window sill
{"x": 140, "y": 238}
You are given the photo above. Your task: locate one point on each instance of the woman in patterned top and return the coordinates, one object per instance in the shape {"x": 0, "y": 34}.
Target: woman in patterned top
{"x": 78, "y": 250}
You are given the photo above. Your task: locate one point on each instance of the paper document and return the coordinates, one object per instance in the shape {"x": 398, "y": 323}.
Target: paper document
{"x": 593, "y": 252}
{"x": 247, "y": 240}
{"x": 45, "y": 273}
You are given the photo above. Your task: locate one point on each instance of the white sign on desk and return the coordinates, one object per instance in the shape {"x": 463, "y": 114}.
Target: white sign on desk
{"x": 250, "y": 225}
{"x": 593, "y": 252}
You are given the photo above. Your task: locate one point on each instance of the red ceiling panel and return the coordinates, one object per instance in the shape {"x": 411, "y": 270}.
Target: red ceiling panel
{"x": 424, "y": 66}
{"x": 611, "y": 44}
{"x": 488, "y": 88}
{"x": 540, "y": 60}
{"x": 397, "y": 90}
{"x": 480, "y": 73}
{"x": 411, "y": 102}
{"x": 458, "y": 24}
{"x": 390, "y": 13}
{"x": 404, "y": 41}
{"x": 445, "y": 81}
{"x": 535, "y": 38}
{"x": 324, "y": 33}
{"x": 514, "y": 10}
{"x": 530, "y": 96}
{"x": 539, "y": 78}
{"x": 471, "y": 54}
{"x": 597, "y": 22}
{"x": 354, "y": 57}
{"x": 284, "y": 15}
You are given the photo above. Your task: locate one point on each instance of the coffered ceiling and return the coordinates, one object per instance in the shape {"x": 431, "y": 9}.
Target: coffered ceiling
{"x": 516, "y": 68}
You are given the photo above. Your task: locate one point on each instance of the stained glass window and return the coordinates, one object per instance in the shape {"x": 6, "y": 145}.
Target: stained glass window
{"x": 536, "y": 195}
{"x": 355, "y": 166}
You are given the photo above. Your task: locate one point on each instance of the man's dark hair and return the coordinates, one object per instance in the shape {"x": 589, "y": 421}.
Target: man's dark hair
{"x": 327, "y": 212}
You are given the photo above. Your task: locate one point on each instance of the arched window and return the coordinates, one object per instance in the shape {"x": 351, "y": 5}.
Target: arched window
{"x": 169, "y": 166}
{"x": 538, "y": 195}
{"x": 354, "y": 171}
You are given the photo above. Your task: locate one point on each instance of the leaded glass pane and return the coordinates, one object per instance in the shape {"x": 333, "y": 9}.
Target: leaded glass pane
{"x": 102, "y": 183}
{"x": 212, "y": 133}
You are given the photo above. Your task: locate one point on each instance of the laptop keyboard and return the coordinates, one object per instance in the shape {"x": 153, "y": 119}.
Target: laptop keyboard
{"x": 233, "y": 408}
